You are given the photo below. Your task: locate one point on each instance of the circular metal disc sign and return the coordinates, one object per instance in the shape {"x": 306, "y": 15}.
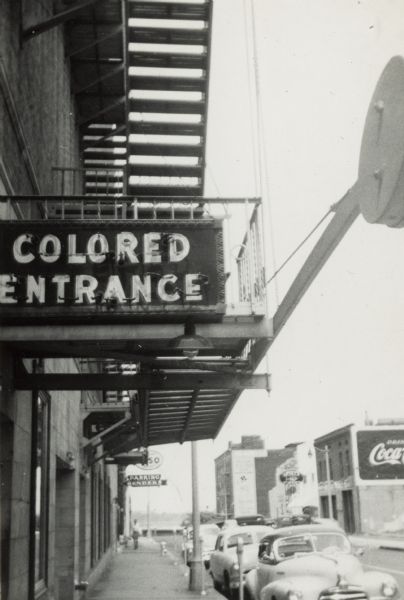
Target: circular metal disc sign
{"x": 154, "y": 461}
{"x": 381, "y": 164}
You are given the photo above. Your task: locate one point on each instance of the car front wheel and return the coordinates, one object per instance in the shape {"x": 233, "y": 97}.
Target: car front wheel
{"x": 231, "y": 593}
{"x": 216, "y": 584}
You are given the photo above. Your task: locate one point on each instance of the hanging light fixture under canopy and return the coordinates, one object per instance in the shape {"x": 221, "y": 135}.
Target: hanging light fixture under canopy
{"x": 190, "y": 342}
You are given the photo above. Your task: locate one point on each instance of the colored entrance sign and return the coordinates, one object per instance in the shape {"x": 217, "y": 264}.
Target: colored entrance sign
{"x": 110, "y": 271}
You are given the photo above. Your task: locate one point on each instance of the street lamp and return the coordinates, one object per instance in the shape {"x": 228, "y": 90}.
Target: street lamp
{"x": 326, "y": 452}
{"x": 190, "y": 343}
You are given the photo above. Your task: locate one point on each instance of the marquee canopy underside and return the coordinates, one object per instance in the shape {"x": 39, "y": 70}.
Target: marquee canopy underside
{"x": 149, "y": 393}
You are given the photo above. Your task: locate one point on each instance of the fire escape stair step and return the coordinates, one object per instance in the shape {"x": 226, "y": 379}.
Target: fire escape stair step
{"x": 167, "y": 61}
{"x": 168, "y": 10}
{"x": 165, "y": 170}
{"x": 154, "y": 35}
{"x": 167, "y": 83}
{"x": 167, "y": 106}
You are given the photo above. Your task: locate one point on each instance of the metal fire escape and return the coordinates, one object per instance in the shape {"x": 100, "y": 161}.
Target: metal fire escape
{"x": 140, "y": 72}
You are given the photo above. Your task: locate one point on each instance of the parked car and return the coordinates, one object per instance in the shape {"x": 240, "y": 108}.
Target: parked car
{"x": 224, "y": 567}
{"x": 250, "y": 520}
{"x": 208, "y": 534}
{"x": 301, "y": 519}
{"x": 314, "y": 562}
{"x": 226, "y": 523}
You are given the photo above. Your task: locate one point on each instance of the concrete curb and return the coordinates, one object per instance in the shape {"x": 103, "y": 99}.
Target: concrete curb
{"x": 388, "y": 547}
{"x": 374, "y": 542}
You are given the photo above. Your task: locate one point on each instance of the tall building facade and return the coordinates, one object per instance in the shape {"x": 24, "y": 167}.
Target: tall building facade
{"x": 112, "y": 270}
{"x": 245, "y": 473}
{"x": 59, "y": 508}
{"x": 361, "y": 476}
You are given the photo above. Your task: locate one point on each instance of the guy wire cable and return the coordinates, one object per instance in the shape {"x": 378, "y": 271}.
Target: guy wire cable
{"x": 262, "y": 148}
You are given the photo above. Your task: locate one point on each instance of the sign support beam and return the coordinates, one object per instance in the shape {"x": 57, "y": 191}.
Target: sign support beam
{"x": 128, "y": 332}
{"x": 149, "y": 381}
{"x": 189, "y": 415}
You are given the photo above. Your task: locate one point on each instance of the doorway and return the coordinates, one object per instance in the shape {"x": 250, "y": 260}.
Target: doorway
{"x": 324, "y": 507}
{"x": 6, "y": 465}
{"x": 349, "y": 517}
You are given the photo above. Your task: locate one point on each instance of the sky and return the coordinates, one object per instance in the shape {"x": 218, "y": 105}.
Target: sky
{"x": 339, "y": 356}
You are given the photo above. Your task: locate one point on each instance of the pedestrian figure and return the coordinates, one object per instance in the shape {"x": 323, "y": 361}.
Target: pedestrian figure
{"x": 136, "y": 531}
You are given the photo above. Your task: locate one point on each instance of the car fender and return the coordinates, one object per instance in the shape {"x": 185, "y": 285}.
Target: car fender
{"x": 372, "y": 581}
{"x": 251, "y": 584}
{"x": 309, "y": 586}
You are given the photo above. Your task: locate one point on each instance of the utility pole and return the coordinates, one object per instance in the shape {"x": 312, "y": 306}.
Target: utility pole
{"x": 327, "y": 467}
{"x": 195, "y": 571}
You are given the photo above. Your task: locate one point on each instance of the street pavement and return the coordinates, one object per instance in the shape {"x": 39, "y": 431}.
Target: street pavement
{"x": 382, "y": 553}
{"x": 147, "y": 574}
{"x": 376, "y": 541}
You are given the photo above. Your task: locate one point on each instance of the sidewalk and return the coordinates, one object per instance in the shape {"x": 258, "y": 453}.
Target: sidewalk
{"x": 376, "y": 541}
{"x": 146, "y": 574}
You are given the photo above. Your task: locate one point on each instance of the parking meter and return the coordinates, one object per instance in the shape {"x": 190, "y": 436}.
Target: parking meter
{"x": 240, "y": 551}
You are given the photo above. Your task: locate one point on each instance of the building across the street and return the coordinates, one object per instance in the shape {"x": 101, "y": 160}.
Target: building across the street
{"x": 361, "y": 474}
{"x": 245, "y": 473}
{"x": 296, "y": 485}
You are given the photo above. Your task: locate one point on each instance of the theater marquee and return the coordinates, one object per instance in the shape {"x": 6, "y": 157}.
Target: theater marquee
{"x": 110, "y": 270}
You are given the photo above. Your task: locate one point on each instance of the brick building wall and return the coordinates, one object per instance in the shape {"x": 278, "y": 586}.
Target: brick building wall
{"x": 37, "y": 109}
{"x": 389, "y": 516}
{"x": 374, "y": 507}
{"x": 258, "y": 471}
{"x": 38, "y": 132}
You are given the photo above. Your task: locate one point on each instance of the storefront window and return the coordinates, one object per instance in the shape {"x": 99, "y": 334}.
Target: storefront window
{"x": 40, "y": 473}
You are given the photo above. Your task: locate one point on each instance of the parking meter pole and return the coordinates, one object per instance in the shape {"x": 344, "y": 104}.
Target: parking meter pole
{"x": 240, "y": 551}
{"x": 185, "y": 560}
{"x": 203, "y": 591}
{"x": 195, "y": 571}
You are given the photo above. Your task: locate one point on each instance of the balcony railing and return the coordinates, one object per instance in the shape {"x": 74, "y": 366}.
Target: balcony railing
{"x": 243, "y": 246}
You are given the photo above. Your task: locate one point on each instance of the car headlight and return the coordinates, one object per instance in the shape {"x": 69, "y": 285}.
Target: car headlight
{"x": 295, "y": 595}
{"x": 389, "y": 589}
{"x": 235, "y": 566}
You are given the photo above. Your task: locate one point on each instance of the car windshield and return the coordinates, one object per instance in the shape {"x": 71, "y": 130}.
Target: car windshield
{"x": 331, "y": 542}
{"x": 246, "y": 538}
{"x": 328, "y": 543}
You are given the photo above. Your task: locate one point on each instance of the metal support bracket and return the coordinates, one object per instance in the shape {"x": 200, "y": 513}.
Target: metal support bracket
{"x": 99, "y": 438}
{"x": 56, "y": 19}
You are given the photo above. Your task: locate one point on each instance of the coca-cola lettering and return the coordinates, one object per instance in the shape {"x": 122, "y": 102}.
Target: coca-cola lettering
{"x": 380, "y": 455}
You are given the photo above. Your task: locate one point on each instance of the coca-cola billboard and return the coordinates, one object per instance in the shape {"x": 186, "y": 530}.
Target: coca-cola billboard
{"x": 381, "y": 454}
